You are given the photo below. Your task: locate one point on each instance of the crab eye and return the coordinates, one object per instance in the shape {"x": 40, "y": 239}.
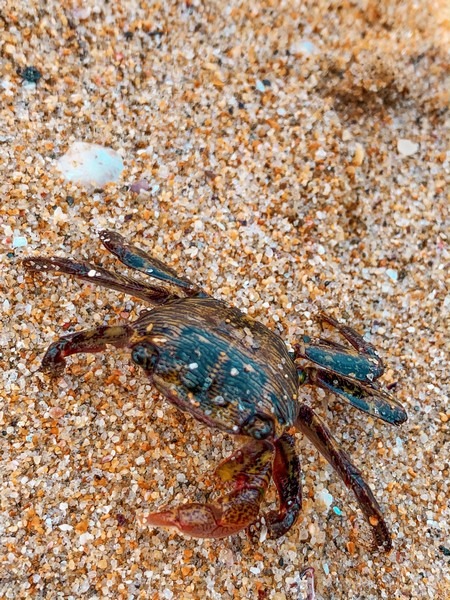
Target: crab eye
{"x": 145, "y": 355}
{"x": 259, "y": 427}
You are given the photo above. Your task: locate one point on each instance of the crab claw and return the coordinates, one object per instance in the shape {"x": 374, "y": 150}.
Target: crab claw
{"x": 196, "y": 520}
{"x": 248, "y": 470}
{"x": 232, "y": 513}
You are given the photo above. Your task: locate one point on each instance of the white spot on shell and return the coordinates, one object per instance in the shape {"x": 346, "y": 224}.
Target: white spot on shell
{"x": 234, "y": 372}
{"x": 193, "y": 366}
{"x": 219, "y": 400}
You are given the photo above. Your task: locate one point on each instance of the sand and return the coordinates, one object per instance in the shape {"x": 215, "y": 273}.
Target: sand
{"x": 295, "y": 156}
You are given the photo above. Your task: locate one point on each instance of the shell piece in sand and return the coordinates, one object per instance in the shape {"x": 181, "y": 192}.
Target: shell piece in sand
{"x": 90, "y": 164}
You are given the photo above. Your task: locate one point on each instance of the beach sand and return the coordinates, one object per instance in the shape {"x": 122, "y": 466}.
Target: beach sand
{"x": 296, "y": 158}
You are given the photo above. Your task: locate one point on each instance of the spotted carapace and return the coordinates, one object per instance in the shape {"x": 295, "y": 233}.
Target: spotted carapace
{"x": 233, "y": 373}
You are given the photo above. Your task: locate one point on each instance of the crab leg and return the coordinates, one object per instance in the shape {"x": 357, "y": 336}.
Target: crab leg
{"x": 352, "y": 336}
{"x": 249, "y": 471}
{"x": 135, "y": 258}
{"x": 363, "y": 365}
{"x": 366, "y": 397}
{"x": 99, "y": 276}
{"x": 317, "y": 432}
{"x": 89, "y": 340}
{"x": 287, "y": 478}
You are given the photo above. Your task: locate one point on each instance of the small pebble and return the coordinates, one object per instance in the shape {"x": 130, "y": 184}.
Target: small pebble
{"x": 346, "y": 135}
{"x": 31, "y": 74}
{"x": 138, "y": 186}
{"x": 19, "y": 242}
{"x": 358, "y": 156}
{"x": 392, "y": 274}
{"x": 325, "y": 498}
{"x": 56, "y": 412}
{"x": 305, "y": 47}
{"x": 407, "y": 147}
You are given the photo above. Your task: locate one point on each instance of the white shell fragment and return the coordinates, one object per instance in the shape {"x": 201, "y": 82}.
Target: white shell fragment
{"x": 407, "y": 147}
{"x": 90, "y": 164}
{"x": 19, "y": 241}
{"x": 303, "y": 47}
{"x": 325, "y": 498}
{"x": 392, "y": 274}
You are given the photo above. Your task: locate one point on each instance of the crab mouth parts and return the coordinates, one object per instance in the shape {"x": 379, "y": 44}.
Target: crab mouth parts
{"x": 259, "y": 427}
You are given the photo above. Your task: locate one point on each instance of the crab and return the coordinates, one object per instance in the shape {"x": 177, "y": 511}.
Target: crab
{"x": 232, "y": 373}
